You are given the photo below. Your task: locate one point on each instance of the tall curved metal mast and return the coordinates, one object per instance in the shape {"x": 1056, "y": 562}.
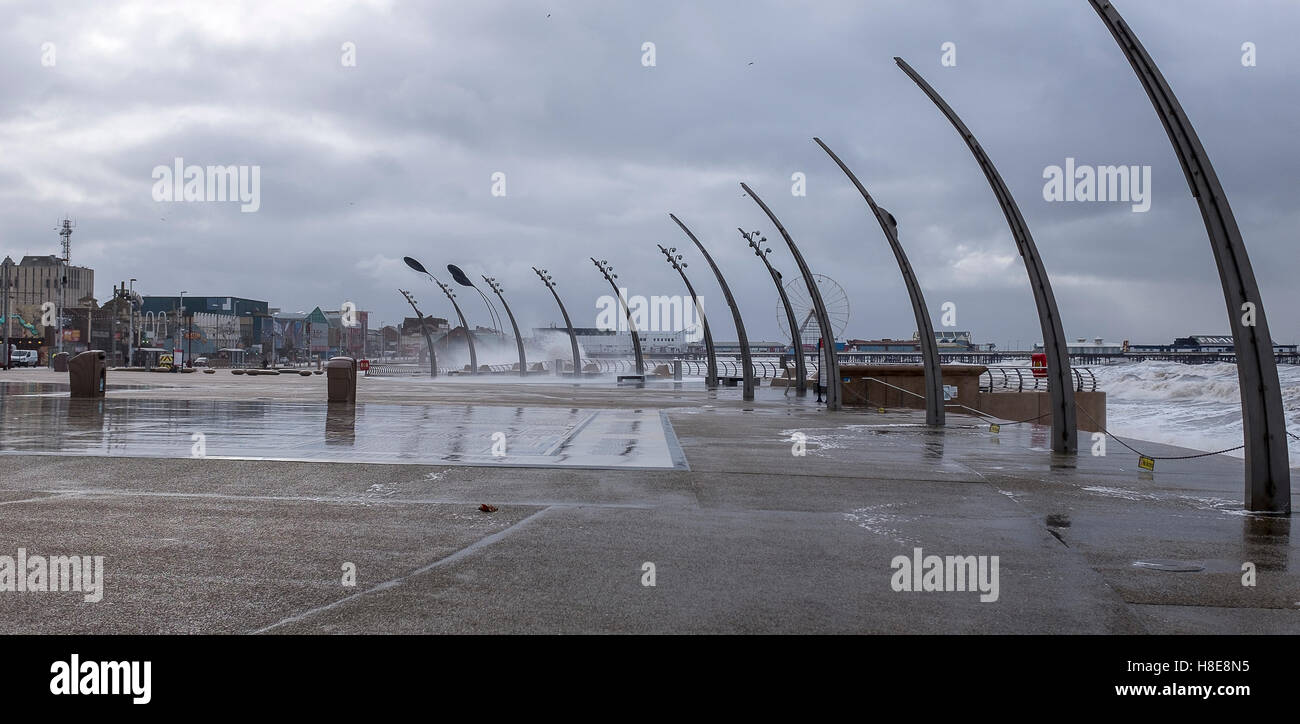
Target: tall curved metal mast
{"x": 756, "y": 241}
{"x": 610, "y": 276}
{"x": 545, "y": 276}
{"x": 433, "y": 358}
{"x": 934, "y": 412}
{"x": 1064, "y": 424}
{"x": 711, "y": 375}
{"x": 469, "y": 336}
{"x": 519, "y": 341}
{"x": 1268, "y": 475}
{"x": 832, "y": 363}
{"x": 747, "y": 366}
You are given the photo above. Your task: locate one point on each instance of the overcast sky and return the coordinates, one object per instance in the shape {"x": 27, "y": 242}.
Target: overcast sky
{"x": 361, "y": 165}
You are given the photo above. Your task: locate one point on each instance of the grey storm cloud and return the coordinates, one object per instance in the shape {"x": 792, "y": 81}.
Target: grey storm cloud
{"x": 363, "y": 165}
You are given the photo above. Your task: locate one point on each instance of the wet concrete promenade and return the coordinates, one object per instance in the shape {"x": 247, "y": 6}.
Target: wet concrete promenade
{"x": 595, "y": 482}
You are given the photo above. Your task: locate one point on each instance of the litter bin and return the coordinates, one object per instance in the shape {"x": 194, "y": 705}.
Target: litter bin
{"x": 341, "y": 379}
{"x": 86, "y": 374}
{"x": 60, "y": 361}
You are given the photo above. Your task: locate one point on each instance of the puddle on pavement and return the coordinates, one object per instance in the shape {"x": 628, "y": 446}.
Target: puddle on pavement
{"x": 32, "y": 421}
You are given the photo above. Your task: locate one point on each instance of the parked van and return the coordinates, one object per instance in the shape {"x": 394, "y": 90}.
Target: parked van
{"x": 22, "y": 357}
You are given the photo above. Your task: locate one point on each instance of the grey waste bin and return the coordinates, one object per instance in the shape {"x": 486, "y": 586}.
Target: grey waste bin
{"x": 87, "y": 374}
{"x": 341, "y": 379}
{"x": 60, "y": 361}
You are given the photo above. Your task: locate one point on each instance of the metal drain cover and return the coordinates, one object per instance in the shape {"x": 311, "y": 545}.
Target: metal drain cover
{"x": 1171, "y": 566}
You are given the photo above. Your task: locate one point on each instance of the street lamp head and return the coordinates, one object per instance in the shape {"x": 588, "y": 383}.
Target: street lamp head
{"x": 459, "y": 276}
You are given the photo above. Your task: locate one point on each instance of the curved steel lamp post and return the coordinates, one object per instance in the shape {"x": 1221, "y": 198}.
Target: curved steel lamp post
{"x": 675, "y": 260}
{"x": 834, "y": 399}
{"x": 545, "y": 276}
{"x": 934, "y": 412}
{"x": 460, "y": 278}
{"x": 610, "y": 276}
{"x": 451, "y": 296}
{"x": 519, "y": 341}
{"x": 747, "y": 367}
{"x": 1064, "y": 423}
{"x": 1268, "y": 475}
{"x": 433, "y": 358}
{"x": 756, "y": 242}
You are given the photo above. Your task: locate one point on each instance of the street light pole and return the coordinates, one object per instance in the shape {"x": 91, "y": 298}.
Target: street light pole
{"x": 433, "y": 359}
{"x": 545, "y": 276}
{"x": 451, "y": 296}
{"x": 934, "y": 410}
{"x": 130, "y": 324}
{"x": 675, "y": 260}
{"x": 1065, "y": 426}
{"x": 177, "y": 336}
{"x": 832, "y": 363}
{"x": 519, "y": 341}
{"x": 1268, "y": 472}
{"x": 610, "y": 276}
{"x": 747, "y": 367}
{"x": 6, "y": 263}
{"x": 756, "y": 242}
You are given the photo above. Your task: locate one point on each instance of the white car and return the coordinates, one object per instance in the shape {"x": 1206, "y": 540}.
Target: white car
{"x": 23, "y": 358}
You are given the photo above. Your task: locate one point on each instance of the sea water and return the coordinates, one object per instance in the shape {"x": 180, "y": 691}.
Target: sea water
{"x": 1195, "y": 406}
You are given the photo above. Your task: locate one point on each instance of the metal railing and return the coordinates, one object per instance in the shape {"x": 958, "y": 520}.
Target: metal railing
{"x": 730, "y": 368}
{"x": 1022, "y": 379}
{"x": 993, "y": 379}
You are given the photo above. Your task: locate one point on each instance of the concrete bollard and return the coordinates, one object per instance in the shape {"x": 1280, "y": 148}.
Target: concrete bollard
{"x": 677, "y": 370}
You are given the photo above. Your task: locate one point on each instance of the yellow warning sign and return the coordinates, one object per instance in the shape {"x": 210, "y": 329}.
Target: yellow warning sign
{"x": 164, "y": 359}
{"x": 1146, "y": 463}
{"x": 995, "y": 428}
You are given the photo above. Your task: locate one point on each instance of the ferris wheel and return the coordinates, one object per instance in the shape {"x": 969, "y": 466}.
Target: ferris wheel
{"x": 837, "y": 308}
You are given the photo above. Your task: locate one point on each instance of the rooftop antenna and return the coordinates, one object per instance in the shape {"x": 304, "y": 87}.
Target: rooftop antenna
{"x": 65, "y": 232}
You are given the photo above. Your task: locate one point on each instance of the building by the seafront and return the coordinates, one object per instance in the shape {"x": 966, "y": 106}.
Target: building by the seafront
{"x": 36, "y": 280}
{"x": 1221, "y": 343}
{"x": 227, "y": 327}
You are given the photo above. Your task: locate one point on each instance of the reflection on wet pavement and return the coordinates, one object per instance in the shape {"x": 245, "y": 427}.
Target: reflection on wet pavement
{"x": 35, "y": 422}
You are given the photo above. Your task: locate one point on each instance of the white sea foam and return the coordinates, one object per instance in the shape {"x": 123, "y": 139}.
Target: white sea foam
{"x": 1195, "y": 406}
